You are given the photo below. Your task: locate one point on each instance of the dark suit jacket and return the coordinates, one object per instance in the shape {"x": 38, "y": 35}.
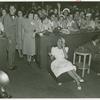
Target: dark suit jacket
{"x": 90, "y": 48}
{"x": 10, "y": 26}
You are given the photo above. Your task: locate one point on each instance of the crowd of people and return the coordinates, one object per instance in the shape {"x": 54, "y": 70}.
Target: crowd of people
{"x": 38, "y": 19}
{"x": 20, "y": 25}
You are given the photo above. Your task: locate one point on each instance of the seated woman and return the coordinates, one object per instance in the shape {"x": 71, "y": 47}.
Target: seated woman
{"x": 4, "y": 80}
{"x": 46, "y": 25}
{"x": 61, "y": 65}
{"x": 72, "y": 25}
{"x": 63, "y": 25}
{"x": 82, "y": 22}
{"x": 90, "y": 24}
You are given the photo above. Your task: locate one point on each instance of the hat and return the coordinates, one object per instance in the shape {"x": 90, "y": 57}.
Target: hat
{"x": 67, "y": 10}
{"x": 61, "y": 15}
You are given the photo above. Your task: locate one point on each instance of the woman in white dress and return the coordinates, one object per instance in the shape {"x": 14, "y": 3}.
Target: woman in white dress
{"x": 29, "y": 37}
{"x": 61, "y": 65}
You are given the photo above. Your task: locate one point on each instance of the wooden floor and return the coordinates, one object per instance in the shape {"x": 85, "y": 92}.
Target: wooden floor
{"x": 28, "y": 81}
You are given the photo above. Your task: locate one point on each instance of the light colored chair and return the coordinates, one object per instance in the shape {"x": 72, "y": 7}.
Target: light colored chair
{"x": 83, "y": 61}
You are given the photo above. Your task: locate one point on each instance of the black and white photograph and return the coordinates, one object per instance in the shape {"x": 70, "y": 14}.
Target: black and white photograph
{"x": 49, "y": 49}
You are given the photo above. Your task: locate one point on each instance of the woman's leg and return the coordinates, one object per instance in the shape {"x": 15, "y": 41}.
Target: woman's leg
{"x": 75, "y": 78}
{"x": 79, "y": 78}
{"x": 34, "y": 58}
{"x": 29, "y": 58}
{"x": 20, "y": 53}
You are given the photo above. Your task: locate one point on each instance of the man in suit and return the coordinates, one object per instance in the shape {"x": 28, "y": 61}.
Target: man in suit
{"x": 10, "y": 27}
{"x": 93, "y": 47}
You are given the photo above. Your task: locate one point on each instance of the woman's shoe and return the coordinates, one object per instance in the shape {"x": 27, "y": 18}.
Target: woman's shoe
{"x": 79, "y": 88}
{"x": 21, "y": 56}
{"x": 59, "y": 83}
{"x": 29, "y": 61}
{"x": 81, "y": 80}
{"x": 34, "y": 60}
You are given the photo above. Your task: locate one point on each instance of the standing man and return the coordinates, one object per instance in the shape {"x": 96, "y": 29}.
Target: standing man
{"x": 10, "y": 26}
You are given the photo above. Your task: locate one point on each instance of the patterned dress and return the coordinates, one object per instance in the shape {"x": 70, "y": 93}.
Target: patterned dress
{"x": 28, "y": 37}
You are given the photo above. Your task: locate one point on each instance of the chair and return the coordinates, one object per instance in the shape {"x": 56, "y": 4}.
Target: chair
{"x": 84, "y": 61}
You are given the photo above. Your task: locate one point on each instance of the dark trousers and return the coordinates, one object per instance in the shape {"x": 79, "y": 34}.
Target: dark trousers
{"x": 11, "y": 51}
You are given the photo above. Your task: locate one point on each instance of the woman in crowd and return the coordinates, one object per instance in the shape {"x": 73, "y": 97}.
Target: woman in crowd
{"x": 3, "y": 14}
{"x": 46, "y": 24}
{"x": 60, "y": 64}
{"x": 90, "y": 24}
{"x": 19, "y": 35}
{"x": 29, "y": 37}
{"x": 66, "y": 13}
{"x": 37, "y": 23}
{"x": 82, "y": 21}
{"x": 72, "y": 26}
{"x": 54, "y": 21}
{"x": 61, "y": 21}
{"x": 77, "y": 16}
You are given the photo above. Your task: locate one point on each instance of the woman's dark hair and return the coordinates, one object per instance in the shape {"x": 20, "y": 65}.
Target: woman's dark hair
{"x": 21, "y": 11}
{"x": 50, "y": 14}
{"x": 1, "y": 11}
{"x": 29, "y": 12}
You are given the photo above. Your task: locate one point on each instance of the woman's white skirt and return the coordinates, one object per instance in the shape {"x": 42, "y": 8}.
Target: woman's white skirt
{"x": 60, "y": 66}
